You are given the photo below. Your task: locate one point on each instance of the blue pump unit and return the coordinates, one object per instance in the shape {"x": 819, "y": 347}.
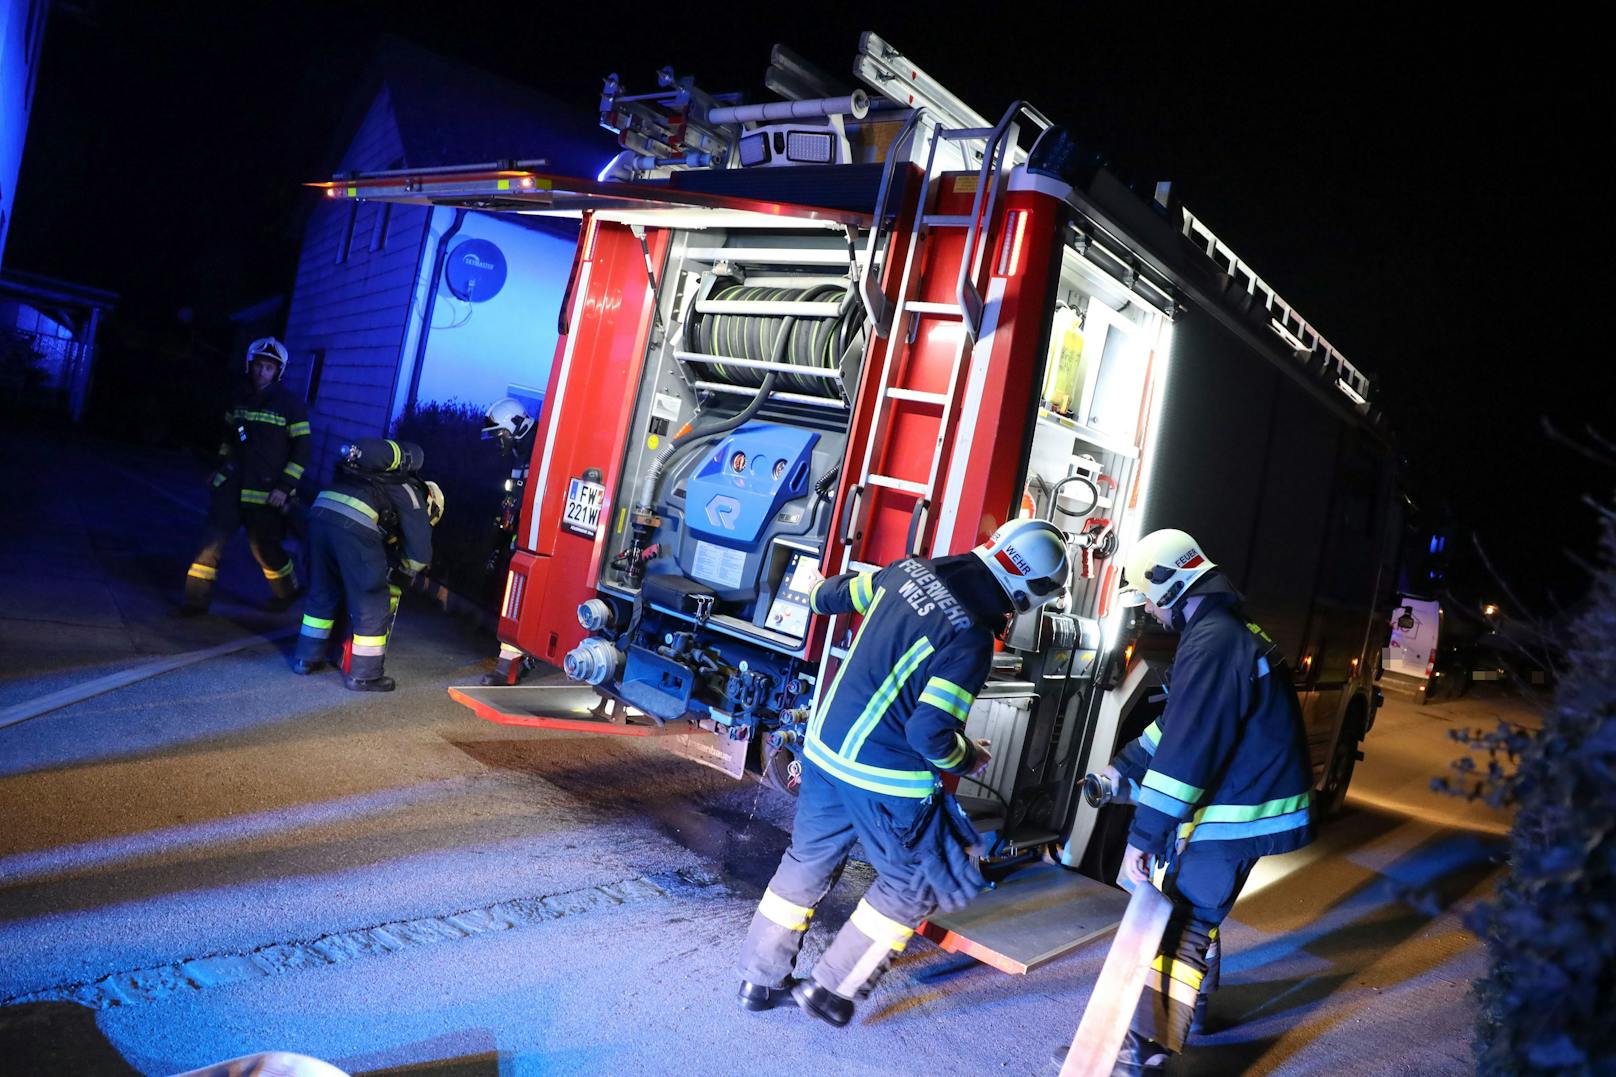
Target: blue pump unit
{"x": 732, "y": 498}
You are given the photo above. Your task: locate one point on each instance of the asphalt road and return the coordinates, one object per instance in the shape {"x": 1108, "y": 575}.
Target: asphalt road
{"x": 225, "y": 858}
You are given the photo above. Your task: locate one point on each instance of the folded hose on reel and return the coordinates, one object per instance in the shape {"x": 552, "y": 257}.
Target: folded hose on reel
{"x": 815, "y": 343}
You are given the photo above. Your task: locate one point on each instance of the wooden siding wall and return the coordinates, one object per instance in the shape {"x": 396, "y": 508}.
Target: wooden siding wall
{"x": 356, "y": 310}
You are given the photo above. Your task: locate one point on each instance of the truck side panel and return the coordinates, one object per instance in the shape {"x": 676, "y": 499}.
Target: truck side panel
{"x": 582, "y": 430}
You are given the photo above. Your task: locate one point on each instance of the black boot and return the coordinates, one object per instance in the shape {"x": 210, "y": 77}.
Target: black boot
{"x": 304, "y": 666}
{"x": 1140, "y": 1057}
{"x": 757, "y": 997}
{"x": 823, "y": 1003}
{"x": 369, "y": 684}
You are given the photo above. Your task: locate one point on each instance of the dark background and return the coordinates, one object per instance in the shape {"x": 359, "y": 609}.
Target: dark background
{"x": 1422, "y": 187}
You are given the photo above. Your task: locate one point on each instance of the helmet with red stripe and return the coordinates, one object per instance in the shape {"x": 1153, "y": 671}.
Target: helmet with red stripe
{"x": 1161, "y": 567}
{"x": 1028, "y": 558}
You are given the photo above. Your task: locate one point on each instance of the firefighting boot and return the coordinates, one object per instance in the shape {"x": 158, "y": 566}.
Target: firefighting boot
{"x": 508, "y": 669}
{"x": 1139, "y": 1057}
{"x": 757, "y": 997}
{"x": 304, "y": 666}
{"x": 367, "y": 684}
{"x": 822, "y": 1002}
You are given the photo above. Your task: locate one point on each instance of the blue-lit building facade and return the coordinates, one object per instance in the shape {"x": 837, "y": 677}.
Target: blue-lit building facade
{"x": 397, "y": 305}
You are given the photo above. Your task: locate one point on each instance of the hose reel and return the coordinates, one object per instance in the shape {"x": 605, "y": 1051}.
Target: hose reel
{"x": 813, "y": 343}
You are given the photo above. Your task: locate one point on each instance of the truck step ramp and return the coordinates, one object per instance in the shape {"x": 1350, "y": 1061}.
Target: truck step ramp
{"x": 1035, "y": 916}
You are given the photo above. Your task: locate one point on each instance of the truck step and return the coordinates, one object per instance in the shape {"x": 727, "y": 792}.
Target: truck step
{"x": 919, "y": 489}
{"x": 919, "y": 396}
{"x": 1035, "y": 916}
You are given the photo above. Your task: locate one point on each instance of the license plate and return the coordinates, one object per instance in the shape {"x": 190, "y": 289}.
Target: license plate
{"x": 581, "y": 515}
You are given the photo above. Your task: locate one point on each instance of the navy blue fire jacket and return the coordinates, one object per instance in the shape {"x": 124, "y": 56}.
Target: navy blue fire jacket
{"x": 1226, "y": 766}
{"x": 266, "y": 444}
{"x": 895, "y": 715}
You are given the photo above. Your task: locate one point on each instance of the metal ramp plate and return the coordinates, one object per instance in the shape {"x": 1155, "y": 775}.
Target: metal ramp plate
{"x": 560, "y": 706}
{"x": 1030, "y": 919}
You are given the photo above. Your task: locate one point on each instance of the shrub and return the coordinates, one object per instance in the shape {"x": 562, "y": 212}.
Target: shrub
{"x": 472, "y": 473}
{"x": 1550, "y": 931}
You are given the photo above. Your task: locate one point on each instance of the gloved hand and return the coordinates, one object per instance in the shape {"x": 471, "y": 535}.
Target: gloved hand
{"x": 949, "y": 846}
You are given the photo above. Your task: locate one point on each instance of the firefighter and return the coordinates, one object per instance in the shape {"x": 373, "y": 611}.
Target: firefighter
{"x": 377, "y": 501}
{"x": 261, "y": 460}
{"x": 892, "y": 721}
{"x": 507, "y": 422}
{"x": 1221, "y": 779}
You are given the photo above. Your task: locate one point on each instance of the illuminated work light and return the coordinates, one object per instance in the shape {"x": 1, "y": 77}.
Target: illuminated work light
{"x": 810, "y": 147}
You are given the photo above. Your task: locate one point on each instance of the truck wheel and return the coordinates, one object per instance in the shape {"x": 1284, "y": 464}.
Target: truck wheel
{"x": 783, "y": 771}
{"x": 1332, "y": 795}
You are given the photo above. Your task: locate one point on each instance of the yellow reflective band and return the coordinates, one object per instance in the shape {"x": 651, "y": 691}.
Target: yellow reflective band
{"x": 204, "y": 572}
{"x": 398, "y": 454}
{"x": 279, "y": 573}
{"x": 369, "y": 646}
{"x": 1151, "y": 736}
{"x": 1155, "y": 779}
{"x": 255, "y": 497}
{"x": 915, "y": 784}
{"x": 1181, "y": 971}
{"x": 1245, "y": 813}
{"x": 351, "y": 502}
{"x": 294, "y": 470}
{"x": 368, "y": 641}
{"x": 878, "y": 927}
{"x": 273, "y": 418}
{"x": 788, "y": 914}
{"x": 813, "y": 595}
{"x": 952, "y": 759}
{"x": 862, "y": 591}
{"x": 824, "y": 707}
{"x": 412, "y": 566}
{"x": 879, "y": 703}
{"x": 947, "y": 696}
{"x": 299, "y": 430}
{"x": 311, "y": 621}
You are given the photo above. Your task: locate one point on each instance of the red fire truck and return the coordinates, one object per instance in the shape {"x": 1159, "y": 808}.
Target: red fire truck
{"x": 834, "y": 330}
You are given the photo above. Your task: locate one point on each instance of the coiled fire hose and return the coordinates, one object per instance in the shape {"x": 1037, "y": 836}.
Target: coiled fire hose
{"x": 816, "y": 343}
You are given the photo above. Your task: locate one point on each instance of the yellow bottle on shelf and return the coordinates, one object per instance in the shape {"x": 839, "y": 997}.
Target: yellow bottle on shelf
{"x": 1063, "y": 379}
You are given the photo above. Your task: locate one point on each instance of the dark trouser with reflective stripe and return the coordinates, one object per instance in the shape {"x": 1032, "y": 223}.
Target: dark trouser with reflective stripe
{"x": 347, "y": 566}
{"x": 832, "y": 815}
{"x": 266, "y": 534}
{"x": 1203, "y": 888}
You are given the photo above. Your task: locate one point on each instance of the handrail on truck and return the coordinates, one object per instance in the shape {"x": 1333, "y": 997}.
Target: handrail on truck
{"x": 1004, "y": 134}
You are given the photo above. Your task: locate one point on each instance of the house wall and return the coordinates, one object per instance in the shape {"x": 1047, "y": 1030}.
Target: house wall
{"x": 22, "y": 33}
{"x": 347, "y": 318}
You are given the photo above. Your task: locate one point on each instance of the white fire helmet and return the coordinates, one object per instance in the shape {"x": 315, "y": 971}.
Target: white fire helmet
{"x": 267, "y": 348}
{"x": 507, "y": 414}
{"x": 434, "y": 503}
{"x": 1028, "y": 558}
{"x": 1161, "y": 567}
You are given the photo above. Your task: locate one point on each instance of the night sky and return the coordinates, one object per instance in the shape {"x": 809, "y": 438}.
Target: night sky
{"x": 1423, "y": 189}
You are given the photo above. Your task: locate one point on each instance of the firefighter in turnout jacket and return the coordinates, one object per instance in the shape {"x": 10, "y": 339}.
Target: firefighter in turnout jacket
{"x": 377, "y": 509}
{"x": 891, "y": 722}
{"x": 506, "y": 421}
{"x": 1221, "y": 779}
{"x": 261, "y": 460}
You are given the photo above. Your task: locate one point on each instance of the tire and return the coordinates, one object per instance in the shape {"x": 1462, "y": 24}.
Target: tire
{"x": 782, "y": 771}
{"x": 1332, "y": 792}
